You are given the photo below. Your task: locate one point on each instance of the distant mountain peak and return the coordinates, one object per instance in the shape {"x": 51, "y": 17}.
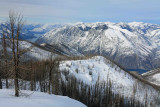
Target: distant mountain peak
{"x": 134, "y": 45}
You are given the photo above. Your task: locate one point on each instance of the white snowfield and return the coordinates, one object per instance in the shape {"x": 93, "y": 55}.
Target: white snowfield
{"x": 153, "y": 76}
{"x": 155, "y": 79}
{"x": 35, "y": 99}
{"x": 123, "y": 83}
{"x": 36, "y": 52}
{"x": 33, "y": 51}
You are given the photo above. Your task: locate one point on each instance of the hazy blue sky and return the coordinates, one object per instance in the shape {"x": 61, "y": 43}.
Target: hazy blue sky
{"x": 65, "y": 11}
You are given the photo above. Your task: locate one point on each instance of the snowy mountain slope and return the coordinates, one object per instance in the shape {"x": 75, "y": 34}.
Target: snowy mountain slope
{"x": 33, "y": 31}
{"x": 44, "y": 51}
{"x": 42, "y": 29}
{"x": 32, "y": 51}
{"x": 36, "y": 52}
{"x": 35, "y": 99}
{"x": 153, "y": 76}
{"x": 129, "y": 44}
{"x": 100, "y": 69}
{"x": 45, "y": 27}
{"x": 61, "y": 49}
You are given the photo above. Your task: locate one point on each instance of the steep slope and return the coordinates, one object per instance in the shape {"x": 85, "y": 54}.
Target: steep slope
{"x": 99, "y": 69}
{"x": 34, "y": 51}
{"x": 31, "y": 51}
{"x": 153, "y": 76}
{"x": 126, "y": 43}
{"x": 41, "y": 30}
{"x": 61, "y": 49}
{"x": 35, "y": 99}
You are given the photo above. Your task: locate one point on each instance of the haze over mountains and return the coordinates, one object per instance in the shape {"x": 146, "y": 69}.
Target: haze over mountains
{"x": 32, "y": 31}
{"x": 134, "y": 45}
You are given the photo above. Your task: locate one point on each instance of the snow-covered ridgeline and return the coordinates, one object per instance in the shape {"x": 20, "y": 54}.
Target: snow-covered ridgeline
{"x": 100, "y": 69}
{"x": 32, "y": 51}
{"x": 123, "y": 42}
{"x": 153, "y": 76}
{"x": 36, "y": 52}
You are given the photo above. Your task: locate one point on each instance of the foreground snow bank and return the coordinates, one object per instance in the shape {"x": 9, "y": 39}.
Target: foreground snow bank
{"x": 35, "y": 99}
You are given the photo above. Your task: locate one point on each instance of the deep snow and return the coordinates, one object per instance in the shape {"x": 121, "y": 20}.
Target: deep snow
{"x": 100, "y": 69}
{"x": 35, "y": 99}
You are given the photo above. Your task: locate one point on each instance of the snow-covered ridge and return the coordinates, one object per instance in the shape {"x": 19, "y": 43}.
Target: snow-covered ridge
{"x": 36, "y": 52}
{"x": 153, "y": 76}
{"x": 151, "y": 72}
{"x": 100, "y": 69}
{"x": 32, "y": 52}
{"x": 35, "y": 99}
{"x": 45, "y": 27}
{"x": 43, "y": 51}
{"x": 135, "y": 45}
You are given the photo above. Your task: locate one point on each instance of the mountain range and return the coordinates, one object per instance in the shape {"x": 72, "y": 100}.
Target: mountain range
{"x": 134, "y": 45}
{"x": 32, "y": 31}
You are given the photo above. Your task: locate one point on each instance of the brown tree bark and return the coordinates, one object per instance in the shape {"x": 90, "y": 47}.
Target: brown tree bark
{"x": 1, "y": 74}
{"x": 4, "y": 44}
{"x": 16, "y": 23}
{"x": 51, "y": 66}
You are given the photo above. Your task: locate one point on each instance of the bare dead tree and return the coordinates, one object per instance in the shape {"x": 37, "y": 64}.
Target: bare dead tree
{"x": 1, "y": 71}
{"x": 51, "y": 66}
{"x": 32, "y": 77}
{"x": 15, "y": 26}
{"x": 4, "y": 44}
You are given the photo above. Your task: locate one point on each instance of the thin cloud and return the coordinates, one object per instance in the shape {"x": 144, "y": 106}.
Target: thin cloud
{"x": 55, "y": 11}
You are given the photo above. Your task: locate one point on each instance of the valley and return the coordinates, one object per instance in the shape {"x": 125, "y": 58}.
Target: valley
{"x": 116, "y": 60}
